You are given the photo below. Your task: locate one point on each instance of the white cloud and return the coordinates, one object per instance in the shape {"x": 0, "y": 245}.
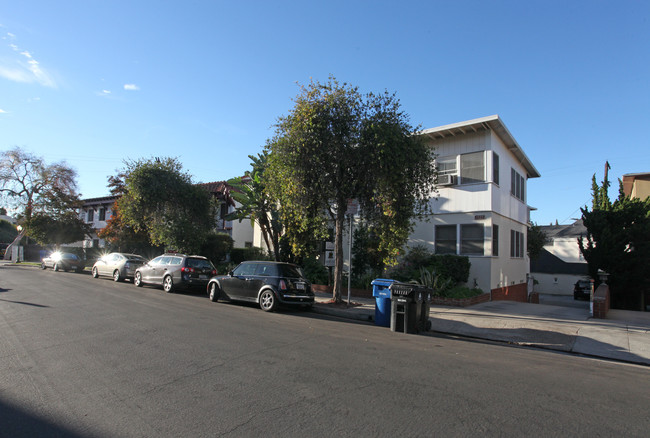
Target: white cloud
{"x": 24, "y": 68}
{"x": 2, "y": 111}
{"x": 106, "y": 91}
{"x": 131, "y": 87}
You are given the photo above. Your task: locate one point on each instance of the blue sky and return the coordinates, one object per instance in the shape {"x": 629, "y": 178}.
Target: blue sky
{"x": 94, "y": 82}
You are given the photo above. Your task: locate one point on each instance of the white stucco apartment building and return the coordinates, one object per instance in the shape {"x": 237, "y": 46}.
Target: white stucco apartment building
{"x": 481, "y": 208}
{"x": 97, "y": 211}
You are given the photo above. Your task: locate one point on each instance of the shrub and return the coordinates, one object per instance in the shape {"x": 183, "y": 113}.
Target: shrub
{"x": 447, "y": 266}
{"x": 238, "y": 255}
{"x": 216, "y": 246}
{"x": 315, "y": 272}
{"x": 459, "y": 292}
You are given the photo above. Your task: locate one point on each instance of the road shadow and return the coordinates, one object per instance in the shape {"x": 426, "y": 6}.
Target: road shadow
{"x": 19, "y": 423}
{"x": 24, "y": 303}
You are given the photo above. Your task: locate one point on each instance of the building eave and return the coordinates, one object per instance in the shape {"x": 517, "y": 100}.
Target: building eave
{"x": 483, "y": 124}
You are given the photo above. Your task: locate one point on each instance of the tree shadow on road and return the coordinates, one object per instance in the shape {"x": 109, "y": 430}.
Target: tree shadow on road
{"x": 18, "y": 423}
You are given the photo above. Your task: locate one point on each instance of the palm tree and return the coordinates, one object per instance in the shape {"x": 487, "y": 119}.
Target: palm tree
{"x": 255, "y": 203}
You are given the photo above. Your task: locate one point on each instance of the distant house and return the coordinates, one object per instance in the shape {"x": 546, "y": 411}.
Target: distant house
{"x": 560, "y": 263}
{"x": 637, "y": 185}
{"x": 9, "y": 219}
{"x": 97, "y": 211}
{"x": 481, "y": 209}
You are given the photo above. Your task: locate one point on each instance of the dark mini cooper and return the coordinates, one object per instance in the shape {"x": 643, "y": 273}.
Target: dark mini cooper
{"x": 265, "y": 283}
{"x": 175, "y": 271}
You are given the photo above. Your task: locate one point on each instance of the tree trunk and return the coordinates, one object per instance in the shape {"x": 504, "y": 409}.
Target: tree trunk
{"x": 16, "y": 241}
{"x": 338, "y": 252}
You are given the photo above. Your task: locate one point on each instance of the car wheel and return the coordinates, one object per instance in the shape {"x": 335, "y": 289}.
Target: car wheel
{"x": 268, "y": 302}
{"x": 95, "y": 273}
{"x": 56, "y": 267}
{"x": 43, "y": 266}
{"x": 116, "y": 275}
{"x": 168, "y": 284}
{"x": 137, "y": 280}
{"x": 213, "y": 292}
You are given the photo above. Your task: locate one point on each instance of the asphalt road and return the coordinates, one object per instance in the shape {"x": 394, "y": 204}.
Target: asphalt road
{"x": 84, "y": 357}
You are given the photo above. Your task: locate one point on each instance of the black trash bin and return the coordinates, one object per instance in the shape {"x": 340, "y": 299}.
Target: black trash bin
{"x": 406, "y": 307}
{"x": 425, "y": 310}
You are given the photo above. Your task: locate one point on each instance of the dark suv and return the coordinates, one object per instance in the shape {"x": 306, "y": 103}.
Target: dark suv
{"x": 266, "y": 283}
{"x": 582, "y": 290}
{"x": 175, "y": 271}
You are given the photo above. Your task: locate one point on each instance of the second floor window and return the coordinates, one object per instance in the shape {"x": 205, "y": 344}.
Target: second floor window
{"x": 446, "y": 166}
{"x": 517, "y": 184}
{"x": 102, "y": 214}
{"x": 472, "y": 168}
{"x": 91, "y": 215}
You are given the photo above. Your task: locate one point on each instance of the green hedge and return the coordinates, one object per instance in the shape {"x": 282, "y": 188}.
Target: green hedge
{"x": 453, "y": 267}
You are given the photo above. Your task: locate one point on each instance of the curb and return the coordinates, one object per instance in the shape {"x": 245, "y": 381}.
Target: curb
{"x": 357, "y": 316}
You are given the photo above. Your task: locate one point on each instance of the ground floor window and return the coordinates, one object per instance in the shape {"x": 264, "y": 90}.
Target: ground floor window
{"x": 445, "y": 239}
{"x": 471, "y": 239}
{"x": 516, "y": 244}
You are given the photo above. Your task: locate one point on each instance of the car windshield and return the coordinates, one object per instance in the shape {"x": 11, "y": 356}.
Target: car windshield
{"x": 135, "y": 258}
{"x": 69, "y": 256}
{"x": 199, "y": 263}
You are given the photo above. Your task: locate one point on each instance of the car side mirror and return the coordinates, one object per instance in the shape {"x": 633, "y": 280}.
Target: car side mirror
{"x": 229, "y": 273}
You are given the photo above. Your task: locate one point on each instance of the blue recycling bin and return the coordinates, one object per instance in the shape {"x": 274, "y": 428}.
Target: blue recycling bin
{"x": 381, "y": 292}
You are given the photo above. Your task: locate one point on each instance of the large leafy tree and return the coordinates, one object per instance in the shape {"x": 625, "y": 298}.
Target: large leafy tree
{"x": 536, "y": 240}
{"x": 160, "y": 200}
{"x": 336, "y": 145}
{"x": 45, "y": 196}
{"x": 123, "y": 237}
{"x": 251, "y": 193}
{"x": 618, "y": 242}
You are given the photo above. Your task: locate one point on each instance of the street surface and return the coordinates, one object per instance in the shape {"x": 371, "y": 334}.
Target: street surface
{"x": 84, "y": 357}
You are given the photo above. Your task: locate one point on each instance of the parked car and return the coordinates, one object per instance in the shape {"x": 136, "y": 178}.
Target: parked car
{"x": 118, "y": 265}
{"x": 265, "y": 283}
{"x": 62, "y": 261}
{"x": 582, "y": 290}
{"x": 175, "y": 271}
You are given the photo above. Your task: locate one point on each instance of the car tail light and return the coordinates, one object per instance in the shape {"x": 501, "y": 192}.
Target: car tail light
{"x": 214, "y": 272}
{"x": 283, "y": 285}
{"x": 190, "y": 270}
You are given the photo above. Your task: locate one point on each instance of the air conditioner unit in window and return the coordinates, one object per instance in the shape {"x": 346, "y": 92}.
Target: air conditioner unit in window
{"x": 446, "y": 180}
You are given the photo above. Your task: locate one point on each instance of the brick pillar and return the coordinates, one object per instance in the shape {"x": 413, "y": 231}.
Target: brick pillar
{"x": 601, "y": 301}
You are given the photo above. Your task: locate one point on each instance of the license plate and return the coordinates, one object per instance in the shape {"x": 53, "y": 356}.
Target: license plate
{"x": 300, "y": 286}
{"x": 203, "y": 277}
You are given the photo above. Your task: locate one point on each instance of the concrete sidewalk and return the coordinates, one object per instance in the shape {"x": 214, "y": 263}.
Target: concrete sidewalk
{"x": 623, "y": 336}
